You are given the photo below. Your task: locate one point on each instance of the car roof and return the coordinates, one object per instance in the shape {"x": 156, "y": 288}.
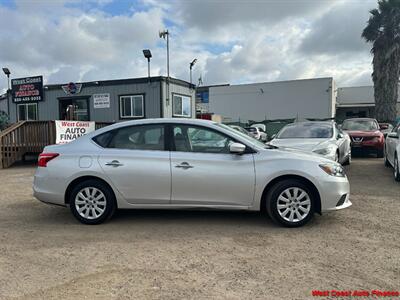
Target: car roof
{"x": 312, "y": 122}
{"x": 163, "y": 120}
{"x": 156, "y": 121}
{"x": 361, "y": 119}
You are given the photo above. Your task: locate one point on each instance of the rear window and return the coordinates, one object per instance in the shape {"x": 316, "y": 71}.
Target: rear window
{"x": 103, "y": 139}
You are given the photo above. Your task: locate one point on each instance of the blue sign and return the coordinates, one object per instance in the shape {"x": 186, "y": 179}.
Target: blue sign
{"x": 202, "y": 97}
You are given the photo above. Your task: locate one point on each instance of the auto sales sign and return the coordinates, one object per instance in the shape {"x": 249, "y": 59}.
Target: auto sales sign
{"x": 29, "y": 89}
{"x": 68, "y": 131}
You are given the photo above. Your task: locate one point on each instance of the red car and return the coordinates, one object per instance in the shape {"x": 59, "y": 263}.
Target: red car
{"x": 365, "y": 135}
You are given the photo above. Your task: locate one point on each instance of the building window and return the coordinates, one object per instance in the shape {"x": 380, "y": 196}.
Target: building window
{"x": 182, "y": 106}
{"x": 131, "y": 106}
{"x": 27, "y": 112}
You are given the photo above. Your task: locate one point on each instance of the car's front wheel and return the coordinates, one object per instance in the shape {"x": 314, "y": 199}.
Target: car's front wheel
{"x": 290, "y": 203}
{"x": 385, "y": 159}
{"x": 92, "y": 202}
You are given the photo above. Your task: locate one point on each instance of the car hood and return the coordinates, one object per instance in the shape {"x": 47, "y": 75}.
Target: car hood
{"x": 301, "y": 144}
{"x": 363, "y": 133}
{"x": 296, "y": 154}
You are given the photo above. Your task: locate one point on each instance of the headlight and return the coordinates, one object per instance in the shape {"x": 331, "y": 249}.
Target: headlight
{"x": 325, "y": 151}
{"x": 333, "y": 170}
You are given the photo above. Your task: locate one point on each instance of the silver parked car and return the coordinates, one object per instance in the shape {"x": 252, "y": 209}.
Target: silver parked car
{"x": 323, "y": 138}
{"x": 185, "y": 163}
{"x": 392, "y": 151}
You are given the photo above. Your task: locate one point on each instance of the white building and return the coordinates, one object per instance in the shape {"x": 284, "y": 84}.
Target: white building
{"x": 356, "y": 101}
{"x": 307, "y": 98}
{"x": 301, "y": 99}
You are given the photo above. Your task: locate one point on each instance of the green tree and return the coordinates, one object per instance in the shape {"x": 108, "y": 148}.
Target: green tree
{"x": 3, "y": 120}
{"x": 383, "y": 31}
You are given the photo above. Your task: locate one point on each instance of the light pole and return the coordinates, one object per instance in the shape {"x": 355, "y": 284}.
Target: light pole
{"x": 165, "y": 35}
{"x": 191, "y": 67}
{"x": 7, "y": 72}
{"x": 147, "y": 54}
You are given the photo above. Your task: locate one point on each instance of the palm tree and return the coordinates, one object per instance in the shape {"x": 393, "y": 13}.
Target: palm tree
{"x": 383, "y": 31}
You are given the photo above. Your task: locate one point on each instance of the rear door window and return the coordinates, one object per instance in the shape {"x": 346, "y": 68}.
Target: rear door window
{"x": 141, "y": 137}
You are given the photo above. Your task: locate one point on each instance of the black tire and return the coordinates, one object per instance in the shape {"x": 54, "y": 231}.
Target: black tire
{"x": 108, "y": 208}
{"x": 396, "y": 168}
{"x": 348, "y": 160}
{"x": 385, "y": 160}
{"x": 272, "y": 202}
{"x": 379, "y": 153}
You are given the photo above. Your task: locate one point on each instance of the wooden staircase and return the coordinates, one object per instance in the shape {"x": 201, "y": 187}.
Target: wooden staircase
{"x": 27, "y": 137}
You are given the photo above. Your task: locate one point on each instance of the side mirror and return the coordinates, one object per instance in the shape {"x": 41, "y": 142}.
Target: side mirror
{"x": 237, "y": 148}
{"x": 383, "y": 127}
{"x": 393, "y": 135}
{"x": 340, "y": 135}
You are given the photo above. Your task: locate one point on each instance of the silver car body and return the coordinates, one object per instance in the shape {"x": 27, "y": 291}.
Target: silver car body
{"x": 338, "y": 146}
{"x": 392, "y": 145}
{"x": 158, "y": 179}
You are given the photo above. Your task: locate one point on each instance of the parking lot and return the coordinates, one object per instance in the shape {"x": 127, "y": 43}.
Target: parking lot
{"x": 46, "y": 253}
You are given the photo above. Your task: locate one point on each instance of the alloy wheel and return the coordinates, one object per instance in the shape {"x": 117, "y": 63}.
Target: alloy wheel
{"x": 90, "y": 203}
{"x": 293, "y": 204}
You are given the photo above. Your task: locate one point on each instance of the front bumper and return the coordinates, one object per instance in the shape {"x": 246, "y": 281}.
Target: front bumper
{"x": 367, "y": 145}
{"x": 334, "y": 193}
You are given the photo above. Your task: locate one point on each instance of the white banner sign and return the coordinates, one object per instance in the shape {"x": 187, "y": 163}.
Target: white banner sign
{"x": 101, "y": 100}
{"x": 67, "y": 131}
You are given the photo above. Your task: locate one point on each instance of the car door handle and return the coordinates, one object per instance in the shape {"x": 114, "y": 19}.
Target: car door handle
{"x": 114, "y": 163}
{"x": 184, "y": 165}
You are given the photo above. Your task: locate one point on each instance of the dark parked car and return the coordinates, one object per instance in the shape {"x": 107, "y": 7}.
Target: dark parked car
{"x": 365, "y": 135}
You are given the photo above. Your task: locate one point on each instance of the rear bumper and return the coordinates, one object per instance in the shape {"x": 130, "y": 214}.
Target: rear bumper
{"x": 47, "y": 189}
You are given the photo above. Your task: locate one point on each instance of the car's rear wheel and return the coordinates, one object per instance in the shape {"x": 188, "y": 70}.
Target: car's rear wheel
{"x": 396, "y": 169}
{"x": 92, "y": 202}
{"x": 290, "y": 203}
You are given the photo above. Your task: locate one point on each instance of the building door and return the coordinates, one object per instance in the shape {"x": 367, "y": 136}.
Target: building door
{"x": 76, "y": 109}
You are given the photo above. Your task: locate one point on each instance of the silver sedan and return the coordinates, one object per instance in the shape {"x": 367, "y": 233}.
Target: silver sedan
{"x": 392, "y": 151}
{"x": 184, "y": 163}
{"x": 322, "y": 138}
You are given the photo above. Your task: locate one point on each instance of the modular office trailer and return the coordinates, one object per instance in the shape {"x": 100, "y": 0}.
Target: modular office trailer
{"x": 108, "y": 101}
{"x": 302, "y": 99}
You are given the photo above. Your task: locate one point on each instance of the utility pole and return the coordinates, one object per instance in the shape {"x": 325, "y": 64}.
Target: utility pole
{"x": 165, "y": 35}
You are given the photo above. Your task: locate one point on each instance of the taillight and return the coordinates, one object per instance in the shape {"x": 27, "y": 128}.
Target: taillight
{"x": 44, "y": 158}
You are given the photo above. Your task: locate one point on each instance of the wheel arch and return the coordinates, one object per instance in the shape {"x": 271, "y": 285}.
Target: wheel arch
{"x": 297, "y": 177}
{"x": 80, "y": 179}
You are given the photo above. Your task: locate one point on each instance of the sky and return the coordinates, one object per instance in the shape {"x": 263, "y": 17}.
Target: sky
{"x": 233, "y": 41}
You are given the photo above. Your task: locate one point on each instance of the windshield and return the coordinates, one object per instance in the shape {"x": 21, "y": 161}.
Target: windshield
{"x": 363, "y": 125}
{"x": 244, "y": 136}
{"x": 251, "y": 129}
{"x": 306, "y": 131}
